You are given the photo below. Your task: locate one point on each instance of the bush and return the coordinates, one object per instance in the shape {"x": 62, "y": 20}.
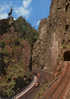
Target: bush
{"x": 2, "y": 44}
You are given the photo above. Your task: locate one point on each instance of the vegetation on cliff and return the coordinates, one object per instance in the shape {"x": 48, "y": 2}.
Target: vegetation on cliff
{"x": 16, "y": 41}
{"x": 25, "y": 30}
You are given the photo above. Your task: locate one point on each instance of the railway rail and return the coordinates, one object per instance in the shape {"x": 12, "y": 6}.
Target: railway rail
{"x": 58, "y": 89}
{"x": 29, "y": 87}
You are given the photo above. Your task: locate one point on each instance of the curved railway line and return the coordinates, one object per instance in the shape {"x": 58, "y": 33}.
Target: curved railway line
{"x": 56, "y": 89}
{"x": 59, "y": 87}
{"x": 18, "y": 96}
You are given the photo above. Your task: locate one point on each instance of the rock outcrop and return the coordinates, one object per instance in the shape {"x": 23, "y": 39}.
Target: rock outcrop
{"x": 53, "y": 44}
{"x": 41, "y": 51}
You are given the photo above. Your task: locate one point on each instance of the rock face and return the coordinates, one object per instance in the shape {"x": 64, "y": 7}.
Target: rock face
{"x": 41, "y": 50}
{"x": 53, "y": 44}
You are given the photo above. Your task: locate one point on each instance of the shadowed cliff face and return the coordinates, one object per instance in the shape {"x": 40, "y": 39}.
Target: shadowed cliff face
{"x": 54, "y": 37}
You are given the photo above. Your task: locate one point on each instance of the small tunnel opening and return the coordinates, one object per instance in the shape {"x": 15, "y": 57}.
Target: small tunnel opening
{"x": 67, "y": 56}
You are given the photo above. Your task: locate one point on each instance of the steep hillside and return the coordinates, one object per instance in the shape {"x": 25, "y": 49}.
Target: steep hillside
{"x": 16, "y": 41}
{"x": 53, "y": 44}
{"x": 25, "y": 30}
{"x": 53, "y": 48}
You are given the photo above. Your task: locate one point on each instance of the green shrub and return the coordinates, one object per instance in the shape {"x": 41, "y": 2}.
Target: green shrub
{"x": 2, "y": 44}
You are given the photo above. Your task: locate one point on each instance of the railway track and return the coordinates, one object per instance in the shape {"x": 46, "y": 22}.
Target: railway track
{"x": 18, "y": 96}
{"x": 59, "y": 87}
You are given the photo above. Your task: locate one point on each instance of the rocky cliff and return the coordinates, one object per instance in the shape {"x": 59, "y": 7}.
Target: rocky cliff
{"x": 53, "y": 44}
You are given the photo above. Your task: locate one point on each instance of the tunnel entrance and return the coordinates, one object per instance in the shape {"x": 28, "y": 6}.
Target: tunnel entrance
{"x": 67, "y": 56}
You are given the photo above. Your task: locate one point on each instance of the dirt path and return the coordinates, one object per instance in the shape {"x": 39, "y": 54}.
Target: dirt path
{"x": 59, "y": 88}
